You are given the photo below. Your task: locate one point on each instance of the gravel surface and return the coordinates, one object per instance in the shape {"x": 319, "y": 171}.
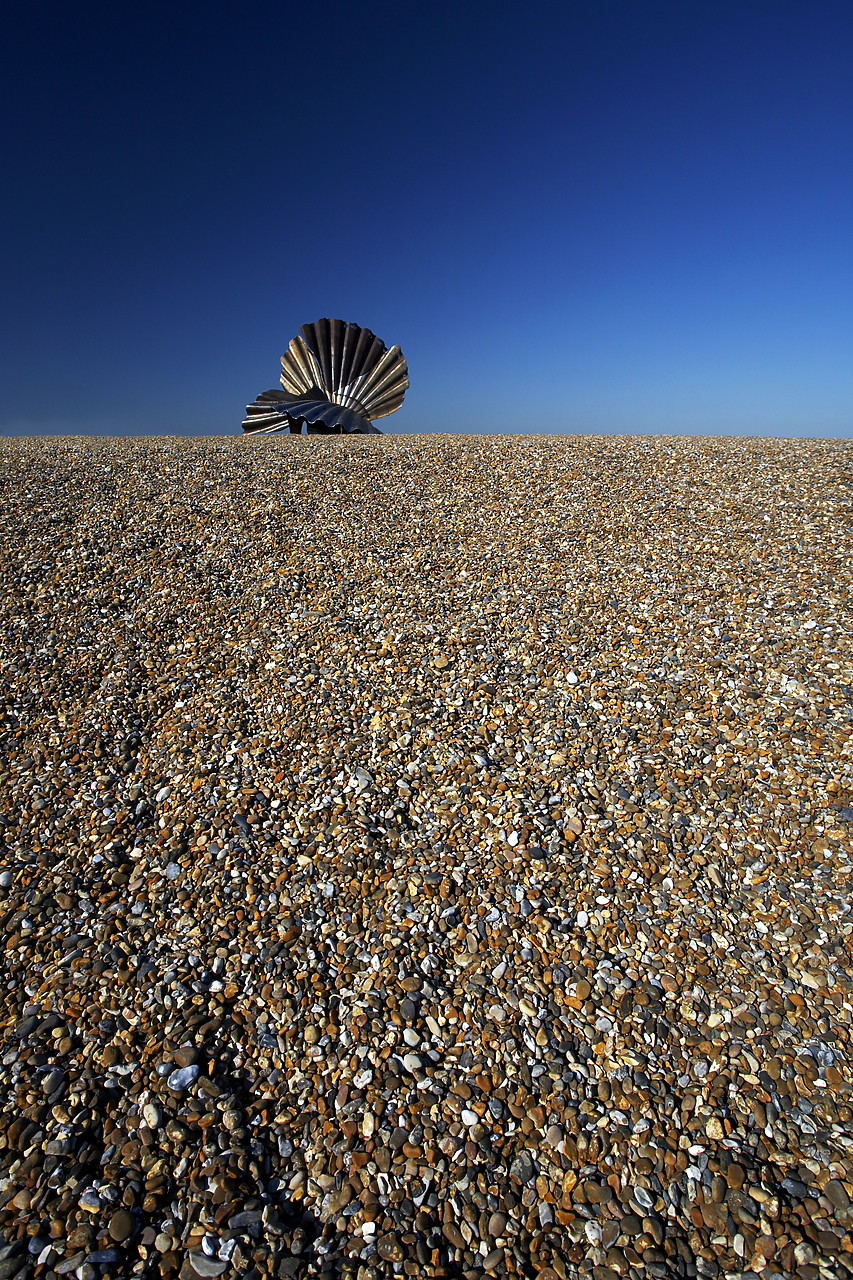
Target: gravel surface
{"x": 426, "y": 856}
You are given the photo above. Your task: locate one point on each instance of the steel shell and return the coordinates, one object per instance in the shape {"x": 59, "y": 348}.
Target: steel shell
{"x": 337, "y": 378}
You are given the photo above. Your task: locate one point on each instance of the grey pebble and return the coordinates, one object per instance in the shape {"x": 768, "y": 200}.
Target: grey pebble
{"x": 202, "y": 1265}
{"x": 523, "y": 1168}
{"x": 183, "y": 1077}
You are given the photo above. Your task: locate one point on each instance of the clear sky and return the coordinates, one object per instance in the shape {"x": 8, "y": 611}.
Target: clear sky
{"x": 605, "y": 215}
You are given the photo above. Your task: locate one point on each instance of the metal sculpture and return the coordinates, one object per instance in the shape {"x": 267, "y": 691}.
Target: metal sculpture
{"x": 338, "y": 377}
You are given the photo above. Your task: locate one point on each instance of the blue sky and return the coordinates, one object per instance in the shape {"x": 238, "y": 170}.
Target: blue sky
{"x": 580, "y": 217}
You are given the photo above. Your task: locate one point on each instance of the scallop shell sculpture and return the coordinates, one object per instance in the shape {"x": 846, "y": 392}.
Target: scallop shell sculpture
{"x": 337, "y": 377}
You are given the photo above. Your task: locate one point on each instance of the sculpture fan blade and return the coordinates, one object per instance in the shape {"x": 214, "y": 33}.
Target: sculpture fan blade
{"x": 320, "y": 417}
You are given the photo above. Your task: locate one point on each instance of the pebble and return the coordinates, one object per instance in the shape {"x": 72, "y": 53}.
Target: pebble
{"x": 523, "y": 1168}
{"x": 836, "y": 1193}
{"x": 202, "y": 1265}
{"x": 121, "y": 1225}
{"x": 426, "y": 856}
{"x": 183, "y": 1077}
{"x": 152, "y": 1115}
{"x": 102, "y": 1257}
{"x": 497, "y": 1224}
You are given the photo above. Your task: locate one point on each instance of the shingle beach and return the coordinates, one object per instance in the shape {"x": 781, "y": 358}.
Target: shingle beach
{"x": 426, "y": 856}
